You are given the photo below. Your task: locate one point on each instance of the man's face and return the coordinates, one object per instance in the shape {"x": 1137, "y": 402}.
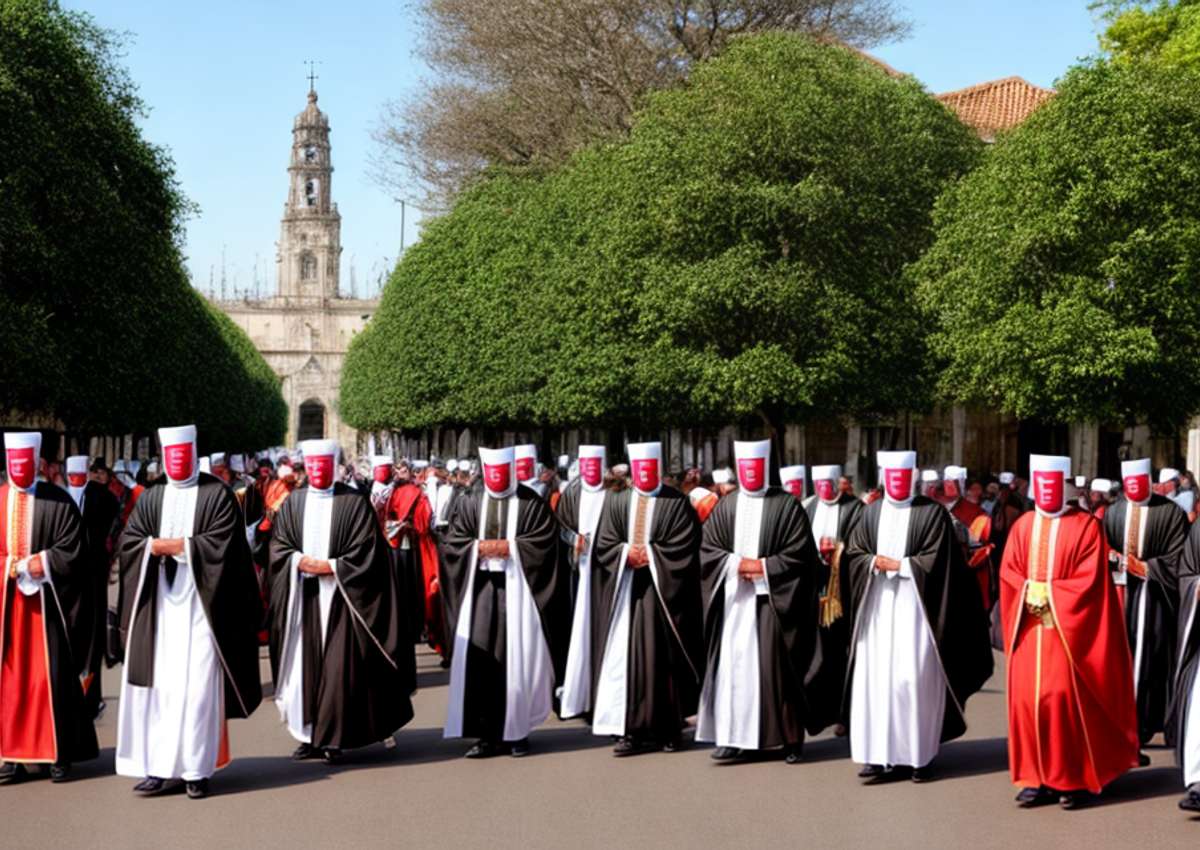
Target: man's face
{"x": 264, "y": 473}
{"x": 826, "y": 490}
{"x": 645, "y": 474}
{"x": 993, "y": 489}
{"x": 845, "y": 485}
{"x": 1137, "y": 487}
{"x": 101, "y": 476}
{"x": 590, "y": 471}
{"x": 178, "y": 461}
{"x": 497, "y": 477}
{"x": 403, "y": 474}
{"x": 974, "y": 493}
{"x": 77, "y": 479}
{"x": 1049, "y": 491}
{"x": 22, "y": 467}
{"x": 320, "y": 471}
{"x": 898, "y": 483}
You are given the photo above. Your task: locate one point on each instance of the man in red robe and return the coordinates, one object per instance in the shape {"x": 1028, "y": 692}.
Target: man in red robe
{"x": 409, "y": 528}
{"x": 978, "y": 525}
{"x": 45, "y": 621}
{"x": 1071, "y": 714}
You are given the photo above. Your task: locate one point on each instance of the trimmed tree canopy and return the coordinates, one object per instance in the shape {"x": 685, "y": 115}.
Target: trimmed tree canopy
{"x": 1063, "y": 279}
{"x": 99, "y": 326}
{"x": 741, "y": 254}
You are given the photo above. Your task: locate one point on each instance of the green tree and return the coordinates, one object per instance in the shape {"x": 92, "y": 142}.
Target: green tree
{"x": 1063, "y": 280}
{"x": 741, "y": 254}
{"x": 101, "y": 328}
{"x": 1165, "y": 31}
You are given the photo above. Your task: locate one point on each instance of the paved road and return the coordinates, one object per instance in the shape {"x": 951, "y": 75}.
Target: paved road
{"x": 571, "y": 792}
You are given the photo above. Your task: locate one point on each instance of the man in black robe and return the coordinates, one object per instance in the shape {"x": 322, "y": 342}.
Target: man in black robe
{"x": 833, "y": 514}
{"x": 762, "y": 577}
{"x": 648, "y": 609}
{"x": 1146, "y": 534}
{"x": 919, "y": 635}
{"x": 189, "y": 612}
{"x": 1183, "y": 719}
{"x": 46, "y": 629}
{"x": 579, "y": 512}
{"x": 507, "y": 602}
{"x": 100, "y": 511}
{"x": 341, "y": 657}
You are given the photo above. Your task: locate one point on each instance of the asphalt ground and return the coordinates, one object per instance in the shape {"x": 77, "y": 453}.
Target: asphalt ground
{"x": 571, "y": 792}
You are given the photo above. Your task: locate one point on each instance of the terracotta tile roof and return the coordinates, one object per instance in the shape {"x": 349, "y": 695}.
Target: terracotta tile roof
{"x": 997, "y": 105}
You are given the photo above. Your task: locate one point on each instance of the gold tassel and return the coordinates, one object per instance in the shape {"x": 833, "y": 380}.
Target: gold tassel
{"x": 831, "y": 599}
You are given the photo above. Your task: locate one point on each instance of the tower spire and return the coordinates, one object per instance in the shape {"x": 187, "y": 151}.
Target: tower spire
{"x": 312, "y": 77}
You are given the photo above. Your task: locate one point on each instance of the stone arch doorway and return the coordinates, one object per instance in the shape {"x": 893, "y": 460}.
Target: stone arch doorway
{"x": 312, "y": 420}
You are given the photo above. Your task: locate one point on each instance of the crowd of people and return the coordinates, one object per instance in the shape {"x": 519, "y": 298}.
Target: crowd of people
{"x": 644, "y": 602}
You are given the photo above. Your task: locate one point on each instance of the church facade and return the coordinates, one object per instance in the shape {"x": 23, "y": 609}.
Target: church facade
{"x": 305, "y": 328}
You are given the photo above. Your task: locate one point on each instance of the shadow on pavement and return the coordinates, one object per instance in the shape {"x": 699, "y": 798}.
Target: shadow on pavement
{"x": 972, "y": 758}
{"x": 1144, "y": 784}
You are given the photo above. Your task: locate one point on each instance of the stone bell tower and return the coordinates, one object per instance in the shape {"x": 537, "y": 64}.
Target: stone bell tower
{"x": 310, "y": 239}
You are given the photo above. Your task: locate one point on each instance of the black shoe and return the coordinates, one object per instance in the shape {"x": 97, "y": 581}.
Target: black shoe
{"x": 1143, "y": 759}
{"x": 444, "y": 664}
{"x": 60, "y": 772}
{"x": 331, "y": 755}
{"x": 304, "y": 752}
{"x": 483, "y": 750}
{"x": 152, "y": 786}
{"x": 12, "y": 773}
{"x": 625, "y": 746}
{"x": 793, "y": 754}
{"x": 922, "y": 774}
{"x": 1030, "y": 798}
{"x": 1075, "y": 799}
{"x": 1191, "y": 803}
{"x": 726, "y": 754}
{"x": 673, "y": 746}
{"x": 100, "y": 710}
{"x": 871, "y": 771}
{"x": 198, "y": 789}
{"x": 519, "y": 749}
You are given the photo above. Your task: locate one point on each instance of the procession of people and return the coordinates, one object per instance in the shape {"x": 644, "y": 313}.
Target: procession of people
{"x": 642, "y": 601}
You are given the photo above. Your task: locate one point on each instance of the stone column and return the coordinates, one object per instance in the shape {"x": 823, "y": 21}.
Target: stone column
{"x": 958, "y": 433}
{"x": 1193, "y": 445}
{"x": 853, "y": 450}
{"x": 1085, "y": 448}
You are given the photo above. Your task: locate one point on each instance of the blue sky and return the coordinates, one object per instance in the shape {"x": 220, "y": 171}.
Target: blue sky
{"x": 224, "y": 79}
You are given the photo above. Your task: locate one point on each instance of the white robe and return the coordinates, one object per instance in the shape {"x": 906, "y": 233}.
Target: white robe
{"x": 1191, "y": 723}
{"x": 730, "y": 703}
{"x": 576, "y": 697}
{"x": 173, "y": 729}
{"x": 528, "y": 667}
{"x": 825, "y": 521}
{"x": 289, "y": 696}
{"x": 898, "y": 696}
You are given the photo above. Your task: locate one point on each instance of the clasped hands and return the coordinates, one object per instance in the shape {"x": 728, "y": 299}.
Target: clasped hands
{"x": 314, "y": 566}
{"x": 170, "y": 546}
{"x": 750, "y": 569}
{"x": 886, "y": 565}
{"x": 493, "y": 548}
{"x": 33, "y": 566}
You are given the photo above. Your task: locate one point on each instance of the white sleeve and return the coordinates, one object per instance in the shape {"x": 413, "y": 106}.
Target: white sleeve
{"x": 28, "y": 584}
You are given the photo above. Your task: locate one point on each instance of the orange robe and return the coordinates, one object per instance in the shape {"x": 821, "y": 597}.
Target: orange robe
{"x": 408, "y": 502}
{"x": 1071, "y": 713}
{"x": 979, "y": 527}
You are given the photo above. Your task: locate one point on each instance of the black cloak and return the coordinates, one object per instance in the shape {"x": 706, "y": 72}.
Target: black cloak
{"x": 225, "y": 581}
{"x": 101, "y": 523}
{"x": 358, "y": 689}
{"x": 827, "y": 673}
{"x": 665, "y": 656}
{"x": 1189, "y": 643}
{"x": 787, "y": 616}
{"x": 1163, "y": 541}
{"x": 537, "y": 541}
{"x": 949, "y": 596}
